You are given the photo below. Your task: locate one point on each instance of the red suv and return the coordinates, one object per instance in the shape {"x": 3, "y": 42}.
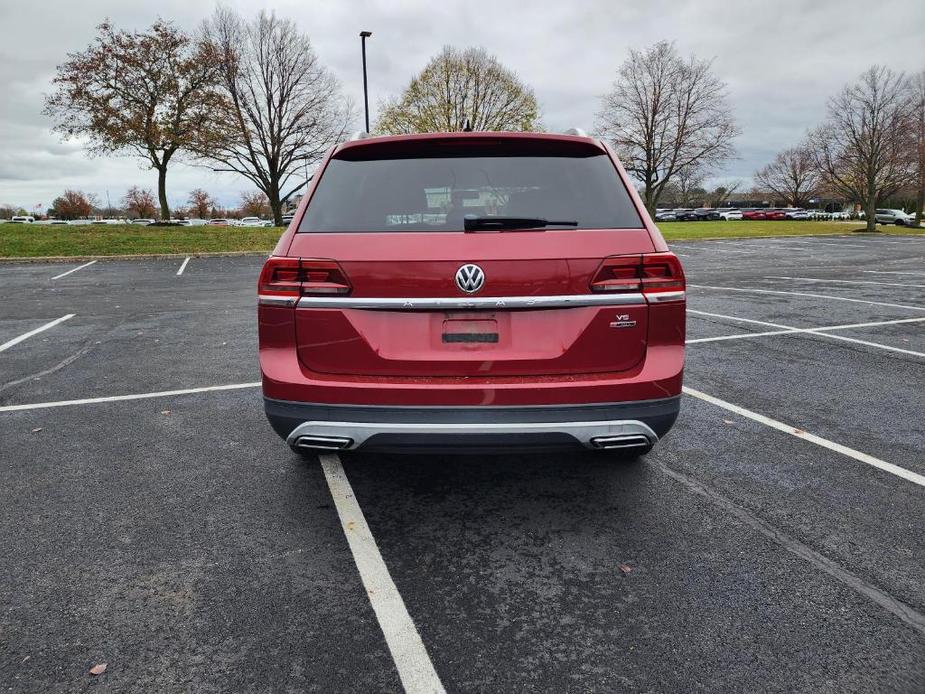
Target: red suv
{"x": 471, "y": 291}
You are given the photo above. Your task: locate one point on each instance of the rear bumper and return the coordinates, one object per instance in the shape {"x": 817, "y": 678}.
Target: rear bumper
{"x": 482, "y": 429}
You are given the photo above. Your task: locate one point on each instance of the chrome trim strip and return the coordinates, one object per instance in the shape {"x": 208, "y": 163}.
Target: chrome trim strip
{"x": 661, "y": 297}
{"x": 287, "y": 301}
{"x": 463, "y": 303}
{"x": 582, "y": 432}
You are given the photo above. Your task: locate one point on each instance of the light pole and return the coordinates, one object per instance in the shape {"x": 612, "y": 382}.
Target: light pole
{"x": 363, "y": 36}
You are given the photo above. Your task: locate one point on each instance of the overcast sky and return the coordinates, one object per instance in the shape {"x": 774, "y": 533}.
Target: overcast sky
{"x": 781, "y": 60}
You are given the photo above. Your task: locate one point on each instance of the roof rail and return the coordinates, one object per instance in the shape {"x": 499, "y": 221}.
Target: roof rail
{"x": 359, "y": 135}
{"x": 577, "y": 132}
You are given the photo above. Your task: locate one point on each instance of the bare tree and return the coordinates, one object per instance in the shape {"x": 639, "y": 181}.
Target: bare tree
{"x": 863, "y": 149}
{"x": 792, "y": 175}
{"x": 666, "y": 113}
{"x": 144, "y": 93}
{"x": 281, "y": 109}
{"x": 139, "y": 202}
{"x": 684, "y": 187}
{"x": 917, "y": 85}
{"x": 459, "y": 86}
{"x": 200, "y": 203}
{"x": 721, "y": 194}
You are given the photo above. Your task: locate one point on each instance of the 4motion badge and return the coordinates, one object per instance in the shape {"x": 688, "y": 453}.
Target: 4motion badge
{"x": 622, "y": 320}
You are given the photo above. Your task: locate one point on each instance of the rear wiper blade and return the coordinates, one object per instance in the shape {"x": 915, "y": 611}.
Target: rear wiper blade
{"x": 475, "y": 223}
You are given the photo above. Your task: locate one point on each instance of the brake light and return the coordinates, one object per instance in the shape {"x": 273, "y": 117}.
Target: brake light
{"x": 294, "y": 277}
{"x": 651, "y": 273}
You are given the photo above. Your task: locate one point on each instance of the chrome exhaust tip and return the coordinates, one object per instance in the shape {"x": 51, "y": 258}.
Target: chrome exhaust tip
{"x": 624, "y": 441}
{"x": 324, "y": 443}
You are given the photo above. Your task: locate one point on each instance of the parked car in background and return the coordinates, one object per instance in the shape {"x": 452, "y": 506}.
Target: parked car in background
{"x": 23, "y": 219}
{"x": 556, "y": 321}
{"x": 665, "y": 216}
{"x": 685, "y": 214}
{"x": 897, "y": 217}
{"x": 80, "y": 222}
{"x": 754, "y": 214}
{"x": 191, "y": 222}
{"x": 775, "y": 214}
{"x": 52, "y": 222}
{"x": 254, "y": 222}
{"x": 702, "y": 214}
{"x": 143, "y": 222}
{"x": 220, "y": 222}
{"x": 726, "y": 214}
{"x": 287, "y": 218}
{"x": 843, "y": 215}
{"x": 796, "y": 214}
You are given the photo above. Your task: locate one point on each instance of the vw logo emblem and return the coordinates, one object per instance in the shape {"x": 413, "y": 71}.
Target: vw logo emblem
{"x": 470, "y": 278}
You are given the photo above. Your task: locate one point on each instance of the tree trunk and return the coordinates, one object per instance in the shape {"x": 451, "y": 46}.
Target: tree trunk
{"x": 871, "y": 210}
{"x": 162, "y": 191}
{"x": 919, "y": 213}
{"x": 276, "y": 206}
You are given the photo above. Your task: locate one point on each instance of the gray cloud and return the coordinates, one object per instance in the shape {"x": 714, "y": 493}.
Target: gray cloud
{"x": 781, "y": 61}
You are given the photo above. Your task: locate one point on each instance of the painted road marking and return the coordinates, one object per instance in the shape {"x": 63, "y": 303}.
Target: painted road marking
{"x": 897, "y": 607}
{"x": 79, "y": 267}
{"x": 813, "y": 279}
{"x": 415, "y": 668}
{"x": 902, "y": 472}
{"x": 894, "y": 272}
{"x": 16, "y": 340}
{"x": 816, "y": 296}
{"x": 182, "y": 267}
{"x": 814, "y": 331}
{"x": 119, "y": 398}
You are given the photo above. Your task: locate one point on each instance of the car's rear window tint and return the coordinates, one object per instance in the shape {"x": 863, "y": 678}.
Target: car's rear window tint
{"x": 434, "y": 193}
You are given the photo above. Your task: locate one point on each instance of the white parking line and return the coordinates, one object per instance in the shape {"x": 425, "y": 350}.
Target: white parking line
{"x": 813, "y": 279}
{"x": 182, "y": 267}
{"x": 902, "y": 472}
{"x": 894, "y": 272}
{"x": 816, "y": 296}
{"x": 79, "y": 267}
{"x": 762, "y": 246}
{"x": 785, "y": 329}
{"x": 414, "y": 666}
{"x": 118, "y": 398}
{"x": 16, "y": 340}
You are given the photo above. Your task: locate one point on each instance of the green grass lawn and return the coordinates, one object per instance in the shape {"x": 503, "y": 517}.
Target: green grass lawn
{"x": 37, "y": 241}
{"x": 676, "y": 231}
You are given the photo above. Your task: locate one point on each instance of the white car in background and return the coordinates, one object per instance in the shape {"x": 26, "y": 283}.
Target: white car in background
{"x": 142, "y": 222}
{"x": 254, "y": 222}
{"x": 897, "y": 217}
{"x": 798, "y": 214}
{"x": 190, "y": 222}
{"x": 726, "y": 214}
{"x": 23, "y": 219}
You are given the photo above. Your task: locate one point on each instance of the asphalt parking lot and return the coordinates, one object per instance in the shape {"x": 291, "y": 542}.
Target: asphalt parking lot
{"x": 773, "y": 541}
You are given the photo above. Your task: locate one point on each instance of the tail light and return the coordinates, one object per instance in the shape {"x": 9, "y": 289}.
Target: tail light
{"x": 283, "y": 280}
{"x": 658, "y": 276}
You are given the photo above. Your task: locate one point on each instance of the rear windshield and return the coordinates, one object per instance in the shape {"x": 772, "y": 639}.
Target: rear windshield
{"x": 435, "y": 193}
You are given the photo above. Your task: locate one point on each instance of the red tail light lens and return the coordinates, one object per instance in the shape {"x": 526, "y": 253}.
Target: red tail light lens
{"x": 294, "y": 277}
{"x": 651, "y": 273}
{"x": 662, "y": 272}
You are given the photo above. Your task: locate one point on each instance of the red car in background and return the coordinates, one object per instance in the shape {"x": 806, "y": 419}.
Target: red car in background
{"x": 474, "y": 292}
{"x": 775, "y": 215}
{"x": 754, "y": 214}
